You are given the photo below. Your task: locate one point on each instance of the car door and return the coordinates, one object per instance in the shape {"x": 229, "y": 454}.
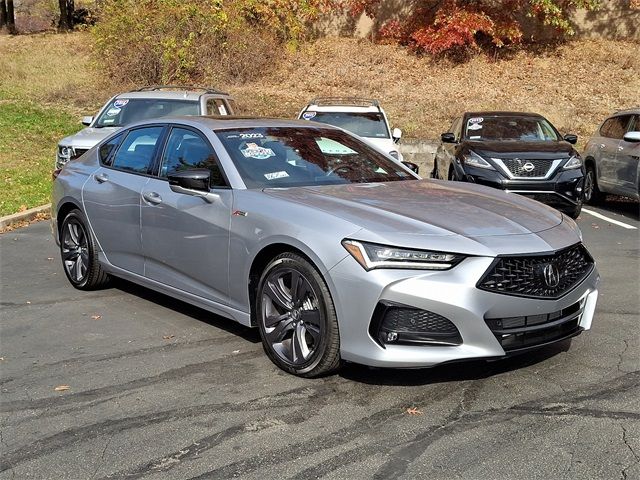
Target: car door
{"x": 111, "y": 196}
{"x": 627, "y": 159}
{"x": 185, "y": 238}
{"x": 611, "y": 134}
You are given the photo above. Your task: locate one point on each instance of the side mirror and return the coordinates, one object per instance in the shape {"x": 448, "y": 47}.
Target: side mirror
{"x": 571, "y": 138}
{"x": 192, "y": 182}
{"x": 411, "y": 166}
{"x": 448, "y": 137}
{"x": 632, "y": 137}
{"x": 86, "y": 121}
{"x": 396, "y": 135}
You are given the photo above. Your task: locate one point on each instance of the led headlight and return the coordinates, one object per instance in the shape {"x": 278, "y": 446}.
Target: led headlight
{"x": 573, "y": 162}
{"x": 371, "y": 255}
{"x": 473, "y": 159}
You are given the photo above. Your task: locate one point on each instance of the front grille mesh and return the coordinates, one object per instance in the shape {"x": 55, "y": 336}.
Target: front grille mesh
{"x": 517, "y": 167}
{"x": 417, "y": 321}
{"x": 524, "y": 275}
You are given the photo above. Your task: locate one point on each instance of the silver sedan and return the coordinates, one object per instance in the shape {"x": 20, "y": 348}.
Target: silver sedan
{"x": 332, "y": 249}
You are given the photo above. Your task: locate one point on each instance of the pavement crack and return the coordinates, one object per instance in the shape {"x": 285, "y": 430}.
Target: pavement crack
{"x": 621, "y": 356}
{"x": 101, "y": 461}
{"x": 623, "y": 473}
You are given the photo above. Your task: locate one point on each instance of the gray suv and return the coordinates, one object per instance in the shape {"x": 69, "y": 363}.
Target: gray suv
{"x": 145, "y": 103}
{"x": 612, "y": 157}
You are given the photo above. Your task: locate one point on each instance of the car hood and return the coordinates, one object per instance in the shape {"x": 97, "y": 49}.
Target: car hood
{"x": 427, "y": 207}
{"x": 510, "y": 149}
{"x": 88, "y": 138}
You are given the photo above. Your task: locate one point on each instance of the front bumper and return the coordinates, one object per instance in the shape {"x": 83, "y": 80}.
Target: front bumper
{"x": 451, "y": 294}
{"x": 563, "y": 191}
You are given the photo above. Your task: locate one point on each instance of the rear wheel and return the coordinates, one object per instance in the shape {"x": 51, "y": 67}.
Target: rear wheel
{"x": 592, "y": 193}
{"x": 297, "y": 318}
{"x": 79, "y": 254}
{"x": 452, "y": 174}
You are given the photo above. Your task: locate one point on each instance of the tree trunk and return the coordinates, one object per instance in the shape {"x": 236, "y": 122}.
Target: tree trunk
{"x": 67, "y": 8}
{"x": 3, "y": 14}
{"x": 11, "y": 18}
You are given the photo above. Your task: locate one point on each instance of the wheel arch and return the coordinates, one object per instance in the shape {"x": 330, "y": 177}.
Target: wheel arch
{"x": 65, "y": 206}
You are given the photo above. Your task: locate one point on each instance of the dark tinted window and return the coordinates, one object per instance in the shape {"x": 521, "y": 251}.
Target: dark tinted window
{"x": 186, "y": 150}
{"x": 615, "y": 127}
{"x": 136, "y": 152}
{"x": 124, "y": 111}
{"x": 106, "y": 149}
{"x": 524, "y": 129}
{"x": 362, "y": 124}
{"x": 634, "y": 124}
{"x": 294, "y": 156}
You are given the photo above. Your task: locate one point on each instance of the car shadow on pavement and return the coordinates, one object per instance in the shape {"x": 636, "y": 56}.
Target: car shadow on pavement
{"x": 250, "y": 334}
{"x": 451, "y": 372}
{"x": 627, "y": 207}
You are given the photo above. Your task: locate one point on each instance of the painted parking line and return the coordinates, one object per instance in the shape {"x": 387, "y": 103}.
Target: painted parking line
{"x": 610, "y": 220}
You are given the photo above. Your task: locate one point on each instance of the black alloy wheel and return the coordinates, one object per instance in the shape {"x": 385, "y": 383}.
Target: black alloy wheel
{"x": 79, "y": 255}
{"x": 591, "y": 192}
{"x": 297, "y": 318}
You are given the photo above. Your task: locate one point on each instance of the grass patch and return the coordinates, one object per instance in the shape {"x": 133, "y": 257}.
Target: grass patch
{"x": 28, "y": 139}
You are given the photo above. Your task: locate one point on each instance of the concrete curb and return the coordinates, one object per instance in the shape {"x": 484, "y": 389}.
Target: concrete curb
{"x": 25, "y": 216}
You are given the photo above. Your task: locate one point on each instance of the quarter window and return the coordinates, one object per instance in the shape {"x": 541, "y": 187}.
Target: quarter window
{"x": 106, "y": 149}
{"x": 187, "y": 150}
{"x": 615, "y": 127}
{"x": 136, "y": 152}
{"x": 217, "y": 107}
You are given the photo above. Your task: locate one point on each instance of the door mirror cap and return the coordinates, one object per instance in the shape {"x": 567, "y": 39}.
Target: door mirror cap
{"x": 396, "y": 135}
{"x": 571, "y": 138}
{"x": 448, "y": 137}
{"x": 192, "y": 182}
{"x": 86, "y": 121}
{"x": 411, "y": 166}
{"x": 632, "y": 137}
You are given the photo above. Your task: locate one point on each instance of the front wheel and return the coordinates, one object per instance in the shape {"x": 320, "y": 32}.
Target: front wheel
{"x": 592, "y": 193}
{"x": 297, "y": 318}
{"x": 79, "y": 254}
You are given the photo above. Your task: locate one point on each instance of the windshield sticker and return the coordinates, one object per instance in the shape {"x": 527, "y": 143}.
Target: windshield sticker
{"x": 308, "y": 115}
{"x": 259, "y": 153}
{"x": 475, "y": 120}
{"x": 475, "y": 137}
{"x": 250, "y": 135}
{"x": 274, "y": 175}
{"x": 108, "y": 120}
{"x": 222, "y": 110}
{"x": 474, "y": 126}
{"x": 331, "y": 146}
{"x": 120, "y": 103}
{"x": 112, "y": 112}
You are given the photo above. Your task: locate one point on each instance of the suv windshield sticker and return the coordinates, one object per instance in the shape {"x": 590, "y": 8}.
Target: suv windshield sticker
{"x": 308, "y": 115}
{"x": 112, "y": 112}
{"x": 274, "y": 175}
{"x": 474, "y": 126}
{"x": 259, "y": 153}
{"x": 109, "y": 120}
{"x": 120, "y": 103}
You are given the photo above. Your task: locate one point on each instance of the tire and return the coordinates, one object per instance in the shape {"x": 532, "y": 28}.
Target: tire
{"x": 299, "y": 328}
{"x": 79, "y": 254}
{"x": 434, "y": 172}
{"x": 575, "y": 213}
{"x": 592, "y": 193}
{"x": 453, "y": 177}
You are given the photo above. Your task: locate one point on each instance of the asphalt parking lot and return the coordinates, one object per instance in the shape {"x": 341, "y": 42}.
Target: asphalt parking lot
{"x": 159, "y": 389}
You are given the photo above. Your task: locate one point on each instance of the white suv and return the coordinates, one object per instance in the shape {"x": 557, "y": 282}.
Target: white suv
{"x": 361, "y": 116}
{"x": 147, "y": 102}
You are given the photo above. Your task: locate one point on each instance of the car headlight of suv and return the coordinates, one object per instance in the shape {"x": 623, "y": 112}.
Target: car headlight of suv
{"x": 573, "y": 162}
{"x": 372, "y": 255}
{"x": 473, "y": 159}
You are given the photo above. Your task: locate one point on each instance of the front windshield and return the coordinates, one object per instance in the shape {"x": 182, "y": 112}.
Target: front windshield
{"x": 524, "y": 129}
{"x": 273, "y": 157}
{"x": 371, "y": 125}
{"x": 124, "y": 111}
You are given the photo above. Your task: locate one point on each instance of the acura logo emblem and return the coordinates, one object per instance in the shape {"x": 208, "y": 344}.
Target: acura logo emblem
{"x": 551, "y": 275}
{"x": 528, "y": 167}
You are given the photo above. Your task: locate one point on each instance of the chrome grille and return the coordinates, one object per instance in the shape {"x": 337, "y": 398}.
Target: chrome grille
{"x": 527, "y": 168}
{"x": 524, "y": 276}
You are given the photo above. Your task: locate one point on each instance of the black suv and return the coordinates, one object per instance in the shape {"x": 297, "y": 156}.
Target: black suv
{"x": 516, "y": 152}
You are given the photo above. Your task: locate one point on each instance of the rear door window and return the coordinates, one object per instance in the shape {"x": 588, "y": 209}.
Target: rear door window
{"x": 137, "y": 150}
{"x": 615, "y": 127}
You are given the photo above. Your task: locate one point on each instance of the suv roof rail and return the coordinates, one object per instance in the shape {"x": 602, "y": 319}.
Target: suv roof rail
{"x": 154, "y": 88}
{"x": 347, "y": 101}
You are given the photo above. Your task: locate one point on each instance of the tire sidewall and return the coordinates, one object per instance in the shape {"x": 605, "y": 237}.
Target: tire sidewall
{"x": 80, "y": 218}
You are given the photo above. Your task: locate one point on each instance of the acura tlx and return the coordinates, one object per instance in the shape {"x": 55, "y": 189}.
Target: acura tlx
{"x": 334, "y": 250}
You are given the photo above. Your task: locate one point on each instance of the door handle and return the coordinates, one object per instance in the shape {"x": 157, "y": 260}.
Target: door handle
{"x": 101, "y": 177}
{"x": 152, "y": 197}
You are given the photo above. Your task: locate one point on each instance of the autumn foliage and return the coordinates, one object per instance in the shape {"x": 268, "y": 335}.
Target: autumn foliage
{"x": 443, "y": 26}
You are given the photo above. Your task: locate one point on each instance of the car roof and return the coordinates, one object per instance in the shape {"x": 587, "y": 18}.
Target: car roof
{"x": 632, "y": 111}
{"x": 231, "y": 122}
{"x": 164, "y": 92}
{"x": 343, "y": 104}
{"x": 502, "y": 114}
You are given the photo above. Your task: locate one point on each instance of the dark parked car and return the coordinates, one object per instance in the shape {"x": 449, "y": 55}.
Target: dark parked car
{"x": 612, "y": 157}
{"x": 517, "y": 152}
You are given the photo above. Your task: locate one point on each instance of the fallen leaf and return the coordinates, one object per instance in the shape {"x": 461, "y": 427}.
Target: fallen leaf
{"x": 62, "y": 388}
{"x": 1, "y": 359}
{"x": 49, "y": 258}
{"x": 414, "y": 411}
{"x": 28, "y": 303}
{"x": 168, "y": 337}
{"x": 236, "y": 351}
{"x": 96, "y": 317}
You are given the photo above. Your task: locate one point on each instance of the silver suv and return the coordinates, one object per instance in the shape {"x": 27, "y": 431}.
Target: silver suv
{"x": 611, "y": 157}
{"x": 145, "y": 103}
